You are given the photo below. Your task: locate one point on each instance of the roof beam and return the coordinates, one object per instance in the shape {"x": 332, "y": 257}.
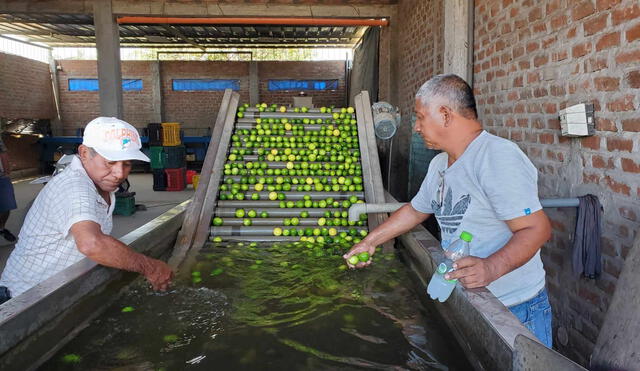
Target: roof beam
{"x": 180, "y": 35}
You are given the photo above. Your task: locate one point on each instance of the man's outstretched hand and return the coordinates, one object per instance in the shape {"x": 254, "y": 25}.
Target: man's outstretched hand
{"x": 358, "y": 248}
{"x": 159, "y": 274}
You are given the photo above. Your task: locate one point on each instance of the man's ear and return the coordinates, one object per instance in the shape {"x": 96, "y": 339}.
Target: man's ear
{"x": 83, "y": 152}
{"x": 446, "y": 114}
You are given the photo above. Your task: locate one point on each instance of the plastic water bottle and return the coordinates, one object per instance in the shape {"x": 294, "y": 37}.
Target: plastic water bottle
{"x": 439, "y": 287}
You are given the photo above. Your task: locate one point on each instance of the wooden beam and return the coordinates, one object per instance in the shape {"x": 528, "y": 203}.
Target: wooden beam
{"x": 458, "y": 38}
{"x": 191, "y": 221}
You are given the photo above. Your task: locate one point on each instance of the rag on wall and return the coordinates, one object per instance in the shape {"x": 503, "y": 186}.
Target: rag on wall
{"x": 587, "y": 238}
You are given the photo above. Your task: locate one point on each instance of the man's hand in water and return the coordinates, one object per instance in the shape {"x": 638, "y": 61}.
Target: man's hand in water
{"x": 158, "y": 273}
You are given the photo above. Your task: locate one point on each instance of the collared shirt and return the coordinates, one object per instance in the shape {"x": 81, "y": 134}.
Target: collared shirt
{"x": 492, "y": 182}
{"x": 46, "y": 245}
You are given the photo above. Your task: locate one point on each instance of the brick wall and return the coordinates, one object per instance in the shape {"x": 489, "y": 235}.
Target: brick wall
{"x": 330, "y": 70}
{"x": 194, "y": 109}
{"x": 77, "y": 108}
{"x": 533, "y": 58}
{"x": 418, "y": 47}
{"x": 25, "y": 88}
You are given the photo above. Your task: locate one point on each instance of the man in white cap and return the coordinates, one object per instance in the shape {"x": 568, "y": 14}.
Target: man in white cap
{"x": 72, "y": 216}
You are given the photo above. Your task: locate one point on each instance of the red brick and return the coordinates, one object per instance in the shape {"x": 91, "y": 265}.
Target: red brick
{"x": 592, "y": 142}
{"x": 619, "y": 144}
{"x": 546, "y": 138}
{"x": 581, "y": 10}
{"x": 581, "y": 49}
{"x": 550, "y": 108}
{"x": 603, "y": 124}
{"x": 599, "y": 162}
{"x": 533, "y": 46}
{"x": 540, "y": 60}
{"x": 606, "y": 83}
{"x": 617, "y": 187}
{"x": 606, "y": 4}
{"x": 630, "y": 166}
{"x": 554, "y": 124}
{"x": 590, "y": 178}
{"x": 621, "y": 104}
{"x": 633, "y": 33}
{"x": 627, "y": 212}
{"x": 558, "y": 22}
{"x": 595, "y": 24}
{"x": 632, "y": 56}
{"x": 535, "y": 14}
{"x": 608, "y": 41}
{"x": 628, "y": 13}
{"x": 553, "y": 6}
{"x": 631, "y": 125}
{"x": 633, "y": 79}
{"x": 595, "y": 64}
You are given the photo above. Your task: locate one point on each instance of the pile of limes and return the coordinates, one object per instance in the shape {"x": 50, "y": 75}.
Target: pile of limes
{"x": 317, "y": 155}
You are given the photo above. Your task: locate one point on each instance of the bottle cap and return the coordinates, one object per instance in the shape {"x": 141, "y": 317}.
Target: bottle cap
{"x": 466, "y": 236}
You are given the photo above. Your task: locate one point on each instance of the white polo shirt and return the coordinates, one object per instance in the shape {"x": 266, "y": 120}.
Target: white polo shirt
{"x": 45, "y": 245}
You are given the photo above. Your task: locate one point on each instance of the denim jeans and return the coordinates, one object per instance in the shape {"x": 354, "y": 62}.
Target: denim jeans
{"x": 535, "y": 314}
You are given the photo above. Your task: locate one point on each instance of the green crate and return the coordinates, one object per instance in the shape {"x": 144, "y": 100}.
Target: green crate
{"x": 174, "y": 157}
{"x": 125, "y": 206}
{"x": 157, "y": 157}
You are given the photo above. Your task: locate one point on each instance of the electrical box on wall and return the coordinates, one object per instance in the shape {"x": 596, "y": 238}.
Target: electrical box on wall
{"x": 577, "y": 120}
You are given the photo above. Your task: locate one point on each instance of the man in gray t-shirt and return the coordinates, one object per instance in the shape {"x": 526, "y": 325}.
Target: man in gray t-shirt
{"x": 485, "y": 185}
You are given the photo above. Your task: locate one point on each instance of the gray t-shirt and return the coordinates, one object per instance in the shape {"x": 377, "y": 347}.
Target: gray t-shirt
{"x": 492, "y": 182}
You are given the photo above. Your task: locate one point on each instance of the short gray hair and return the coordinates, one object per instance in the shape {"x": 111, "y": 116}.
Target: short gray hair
{"x": 92, "y": 152}
{"x": 453, "y": 90}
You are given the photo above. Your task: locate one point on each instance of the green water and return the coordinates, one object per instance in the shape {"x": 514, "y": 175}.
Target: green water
{"x": 280, "y": 307}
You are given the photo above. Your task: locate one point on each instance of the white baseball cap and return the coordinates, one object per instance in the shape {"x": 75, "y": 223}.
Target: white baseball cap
{"x": 114, "y": 139}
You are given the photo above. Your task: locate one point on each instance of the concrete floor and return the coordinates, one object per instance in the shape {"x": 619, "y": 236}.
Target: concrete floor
{"x": 156, "y": 203}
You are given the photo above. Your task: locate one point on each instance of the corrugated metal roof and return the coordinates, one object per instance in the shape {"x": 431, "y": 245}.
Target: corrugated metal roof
{"x": 78, "y": 30}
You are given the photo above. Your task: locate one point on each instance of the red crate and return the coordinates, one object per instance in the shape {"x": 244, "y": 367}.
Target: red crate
{"x": 176, "y": 179}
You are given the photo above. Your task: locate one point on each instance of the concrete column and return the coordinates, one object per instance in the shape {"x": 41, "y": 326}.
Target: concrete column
{"x": 254, "y": 84}
{"x": 56, "y": 122}
{"x": 384, "y": 64}
{"x": 458, "y": 38}
{"x": 156, "y": 91}
{"x": 109, "y": 73}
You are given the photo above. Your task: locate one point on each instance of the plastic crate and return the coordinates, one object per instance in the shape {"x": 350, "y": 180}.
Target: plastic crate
{"x": 159, "y": 180}
{"x": 157, "y": 157}
{"x": 154, "y": 133}
{"x": 174, "y": 157}
{"x": 176, "y": 179}
{"x": 171, "y": 134}
{"x": 200, "y": 153}
{"x": 195, "y": 180}
{"x": 125, "y": 206}
{"x": 190, "y": 174}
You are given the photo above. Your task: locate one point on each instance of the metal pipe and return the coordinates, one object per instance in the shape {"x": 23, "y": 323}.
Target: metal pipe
{"x": 288, "y": 115}
{"x": 357, "y": 209}
{"x": 273, "y": 211}
{"x": 262, "y": 230}
{"x": 560, "y": 202}
{"x": 304, "y": 21}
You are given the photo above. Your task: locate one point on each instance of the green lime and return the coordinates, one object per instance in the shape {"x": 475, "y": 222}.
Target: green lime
{"x": 216, "y": 272}
{"x": 353, "y": 260}
{"x": 364, "y": 256}
{"x": 71, "y": 358}
{"x": 170, "y": 338}
{"x": 127, "y": 309}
